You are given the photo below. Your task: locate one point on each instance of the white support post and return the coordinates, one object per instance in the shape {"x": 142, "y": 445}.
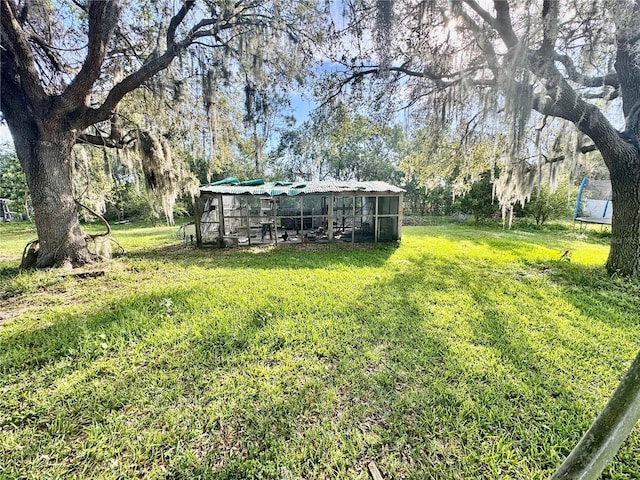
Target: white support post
{"x": 353, "y": 211}
{"x": 400, "y": 215}
{"x": 330, "y": 217}
{"x": 274, "y": 212}
{"x": 221, "y": 228}
{"x": 376, "y": 206}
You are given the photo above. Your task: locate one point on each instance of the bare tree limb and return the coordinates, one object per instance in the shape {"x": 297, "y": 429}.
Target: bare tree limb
{"x": 486, "y": 16}
{"x": 440, "y": 81}
{"x": 549, "y": 26}
{"x": 610, "y": 79}
{"x": 103, "y": 17}
{"x": 607, "y": 94}
{"x": 177, "y": 20}
{"x": 588, "y": 148}
{"x": 503, "y": 23}
{"x": 50, "y": 53}
{"x": 102, "y": 141}
{"x": 21, "y": 54}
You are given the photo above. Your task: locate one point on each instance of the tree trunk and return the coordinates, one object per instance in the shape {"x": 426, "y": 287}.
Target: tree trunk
{"x": 624, "y": 255}
{"x": 46, "y": 161}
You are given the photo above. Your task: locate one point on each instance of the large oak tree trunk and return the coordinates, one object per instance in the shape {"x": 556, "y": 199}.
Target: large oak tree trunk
{"x": 624, "y": 255}
{"x": 46, "y": 160}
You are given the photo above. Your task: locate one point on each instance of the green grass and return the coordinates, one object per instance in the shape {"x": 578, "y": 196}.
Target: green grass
{"x": 467, "y": 352}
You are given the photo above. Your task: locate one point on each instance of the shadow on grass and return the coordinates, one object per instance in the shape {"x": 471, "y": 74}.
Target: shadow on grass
{"x": 610, "y": 300}
{"x": 513, "y": 383}
{"x": 235, "y": 392}
{"x": 427, "y": 370}
{"x": 9, "y": 271}
{"x": 374, "y": 365}
{"x": 80, "y": 337}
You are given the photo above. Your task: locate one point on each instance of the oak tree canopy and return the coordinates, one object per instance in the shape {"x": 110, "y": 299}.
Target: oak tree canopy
{"x": 67, "y": 66}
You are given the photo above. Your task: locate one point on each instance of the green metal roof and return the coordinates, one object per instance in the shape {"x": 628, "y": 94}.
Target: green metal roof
{"x": 232, "y": 186}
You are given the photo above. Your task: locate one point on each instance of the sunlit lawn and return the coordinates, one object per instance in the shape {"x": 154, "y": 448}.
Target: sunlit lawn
{"x": 468, "y": 352}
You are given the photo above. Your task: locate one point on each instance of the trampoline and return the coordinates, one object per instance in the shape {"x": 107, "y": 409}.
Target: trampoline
{"x": 593, "y": 205}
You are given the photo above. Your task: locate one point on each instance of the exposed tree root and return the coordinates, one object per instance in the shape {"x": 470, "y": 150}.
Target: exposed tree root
{"x": 30, "y": 254}
{"x": 101, "y": 243}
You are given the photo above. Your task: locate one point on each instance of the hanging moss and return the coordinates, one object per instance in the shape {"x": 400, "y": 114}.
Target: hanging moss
{"x": 92, "y": 178}
{"x": 165, "y": 178}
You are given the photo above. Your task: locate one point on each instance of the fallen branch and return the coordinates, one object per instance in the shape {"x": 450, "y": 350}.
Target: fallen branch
{"x": 373, "y": 470}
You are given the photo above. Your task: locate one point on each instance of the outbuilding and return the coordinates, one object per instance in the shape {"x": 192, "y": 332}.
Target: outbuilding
{"x": 231, "y": 213}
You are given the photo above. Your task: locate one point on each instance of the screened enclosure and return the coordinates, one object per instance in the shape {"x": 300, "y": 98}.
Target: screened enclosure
{"x": 230, "y": 213}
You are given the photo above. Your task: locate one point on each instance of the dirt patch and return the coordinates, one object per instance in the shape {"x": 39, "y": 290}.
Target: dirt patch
{"x": 9, "y": 312}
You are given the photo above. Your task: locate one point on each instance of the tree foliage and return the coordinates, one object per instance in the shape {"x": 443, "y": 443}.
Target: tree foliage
{"x": 479, "y": 200}
{"x": 12, "y": 182}
{"x": 339, "y": 144}
{"x": 134, "y": 75}
{"x": 438, "y": 154}
{"x": 546, "y": 204}
{"x": 549, "y": 76}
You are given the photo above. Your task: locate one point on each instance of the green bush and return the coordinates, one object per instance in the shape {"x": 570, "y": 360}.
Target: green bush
{"x": 127, "y": 202}
{"x": 13, "y": 184}
{"x": 547, "y": 205}
{"x": 479, "y": 200}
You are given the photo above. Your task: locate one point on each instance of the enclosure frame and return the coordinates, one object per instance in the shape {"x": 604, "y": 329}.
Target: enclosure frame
{"x": 356, "y": 212}
{"x": 6, "y": 214}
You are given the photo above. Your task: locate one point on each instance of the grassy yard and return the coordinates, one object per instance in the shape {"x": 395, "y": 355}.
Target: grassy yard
{"x": 466, "y": 353}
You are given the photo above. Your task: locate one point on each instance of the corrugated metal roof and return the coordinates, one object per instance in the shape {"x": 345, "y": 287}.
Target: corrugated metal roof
{"x": 296, "y": 188}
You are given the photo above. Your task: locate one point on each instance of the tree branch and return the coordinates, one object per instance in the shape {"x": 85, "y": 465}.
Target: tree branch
{"x": 103, "y": 17}
{"x": 560, "y": 100}
{"x": 607, "y": 94}
{"x": 102, "y": 141}
{"x": 128, "y": 84}
{"x": 115, "y": 139}
{"x": 482, "y": 13}
{"x": 50, "y": 53}
{"x": 503, "y": 23}
{"x": 626, "y": 66}
{"x": 559, "y": 158}
{"x": 155, "y": 64}
{"x": 177, "y": 20}
{"x": 483, "y": 42}
{"x": 440, "y": 81}
{"x": 149, "y": 68}
{"x": 549, "y": 26}
{"x": 610, "y": 79}
{"x": 21, "y": 55}
{"x": 588, "y": 148}
{"x": 563, "y": 102}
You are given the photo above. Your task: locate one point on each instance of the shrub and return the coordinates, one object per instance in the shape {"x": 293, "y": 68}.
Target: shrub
{"x": 547, "y": 205}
